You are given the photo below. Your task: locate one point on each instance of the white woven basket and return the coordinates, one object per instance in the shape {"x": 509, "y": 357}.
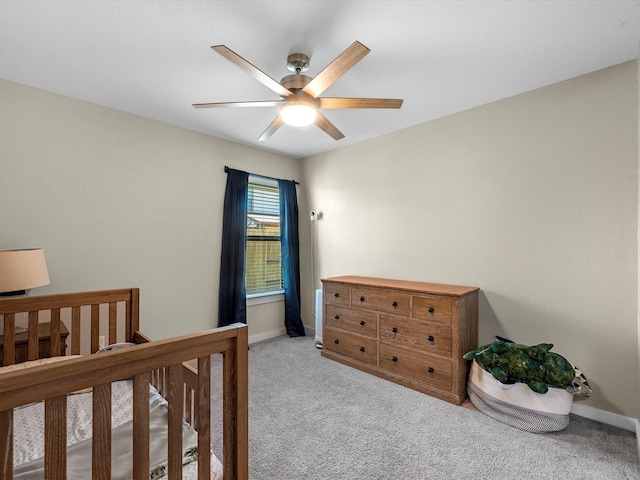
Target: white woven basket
{"x": 517, "y": 405}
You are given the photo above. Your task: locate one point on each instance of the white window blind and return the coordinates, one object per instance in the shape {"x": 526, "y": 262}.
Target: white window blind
{"x": 264, "y": 261}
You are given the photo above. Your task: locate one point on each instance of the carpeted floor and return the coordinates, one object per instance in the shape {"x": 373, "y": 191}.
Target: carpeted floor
{"x": 312, "y": 418}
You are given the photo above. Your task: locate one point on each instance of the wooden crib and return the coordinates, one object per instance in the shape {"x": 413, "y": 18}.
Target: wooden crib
{"x": 169, "y": 365}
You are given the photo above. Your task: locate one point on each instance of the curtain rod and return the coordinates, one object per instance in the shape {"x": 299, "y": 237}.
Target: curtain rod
{"x": 226, "y": 169}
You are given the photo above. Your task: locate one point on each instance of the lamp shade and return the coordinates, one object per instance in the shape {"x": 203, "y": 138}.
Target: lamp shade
{"x": 22, "y": 270}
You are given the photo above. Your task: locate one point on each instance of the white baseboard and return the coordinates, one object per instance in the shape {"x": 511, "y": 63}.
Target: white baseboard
{"x": 267, "y": 335}
{"x": 637, "y": 422}
{"x": 603, "y": 416}
{"x": 276, "y": 333}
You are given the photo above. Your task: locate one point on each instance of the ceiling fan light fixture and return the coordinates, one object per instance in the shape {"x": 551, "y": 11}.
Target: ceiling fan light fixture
{"x": 298, "y": 114}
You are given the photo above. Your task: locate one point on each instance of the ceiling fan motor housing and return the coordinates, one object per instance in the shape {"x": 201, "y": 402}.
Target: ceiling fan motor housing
{"x": 298, "y": 62}
{"x": 295, "y": 82}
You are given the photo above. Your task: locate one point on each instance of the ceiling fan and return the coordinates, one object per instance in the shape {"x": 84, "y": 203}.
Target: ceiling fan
{"x": 299, "y": 94}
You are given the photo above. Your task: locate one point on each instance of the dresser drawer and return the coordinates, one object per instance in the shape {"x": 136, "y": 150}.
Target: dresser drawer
{"x": 360, "y": 348}
{"x": 410, "y": 332}
{"x": 417, "y": 365}
{"x": 381, "y": 300}
{"x": 354, "y": 320}
{"x": 434, "y": 309}
{"x": 335, "y": 293}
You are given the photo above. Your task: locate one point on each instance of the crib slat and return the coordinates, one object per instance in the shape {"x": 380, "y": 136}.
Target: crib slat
{"x": 133, "y": 313}
{"x": 55, "y": 438}
{"x": 235, "y": 409}
{"x": 9, "y": 339}
{"x": 6, "y": 444}
{"x": 141, "y": 426}
{"x": 95, "y": 328}
{"x": 128, "y": 334}
{"x": 174, "y": 442}
{"x": 190, "y": 379}
{"x": 160, "y": 381}
{"x": 188, "y": 398}
{"x": 113, "y": 317}
{"x": 203, "y": 417}
{"x": 101, "y": 443}
{"x": 32, "y": 342}
{"x": 55, "y": 332}
{"x": 75, "y": 331}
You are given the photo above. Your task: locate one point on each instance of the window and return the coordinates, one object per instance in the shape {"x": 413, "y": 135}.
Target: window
{"x": 264, "y": 262}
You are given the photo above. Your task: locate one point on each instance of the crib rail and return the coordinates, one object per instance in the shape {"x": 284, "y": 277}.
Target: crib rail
{"x": 85, "y": 316}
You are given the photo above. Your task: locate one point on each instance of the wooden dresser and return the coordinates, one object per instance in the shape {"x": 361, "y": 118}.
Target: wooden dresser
{"x": 411, "y": 333}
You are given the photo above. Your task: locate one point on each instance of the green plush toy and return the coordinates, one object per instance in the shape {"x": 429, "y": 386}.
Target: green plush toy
{"x": 534, "y": 365}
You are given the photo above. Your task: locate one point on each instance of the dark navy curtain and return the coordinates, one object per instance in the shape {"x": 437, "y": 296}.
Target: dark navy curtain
{"x": 290, "y": 257}
{"x": 232, "y": 303}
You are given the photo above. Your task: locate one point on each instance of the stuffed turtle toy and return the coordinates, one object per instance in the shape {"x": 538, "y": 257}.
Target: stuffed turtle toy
{"x": 534, "y": 365}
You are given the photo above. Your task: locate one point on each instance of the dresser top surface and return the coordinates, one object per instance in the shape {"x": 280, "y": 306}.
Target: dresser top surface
{"x": 413, "y": 286}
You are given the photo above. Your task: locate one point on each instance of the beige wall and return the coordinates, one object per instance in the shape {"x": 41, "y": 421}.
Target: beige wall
{"x": 533, "y": 199}
{"x": 117, "y": 200}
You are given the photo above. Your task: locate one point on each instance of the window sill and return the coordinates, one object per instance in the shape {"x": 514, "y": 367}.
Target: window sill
{"x": 262, "y": 298}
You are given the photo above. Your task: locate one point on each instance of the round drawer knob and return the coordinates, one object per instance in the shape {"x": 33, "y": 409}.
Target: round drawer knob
{"x": 394, "y": 304}
{"x": 337, "y": 317}
{"x": 431, "y": 310}
{"x": 394, "y": 359}
{"x": 336, "y": 294}
{"x": 430, "y": 338}
{"x": 362, "y": 299}
{"x": 362, "y": 349}
{"x": 336, "y": 341}
{"x": 430, "y": 369}
{"x": 361, "y": 322}
{"x": 394, "y": 330}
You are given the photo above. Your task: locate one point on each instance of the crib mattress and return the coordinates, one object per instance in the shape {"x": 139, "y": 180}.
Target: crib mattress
{"x": 29, "y": 442}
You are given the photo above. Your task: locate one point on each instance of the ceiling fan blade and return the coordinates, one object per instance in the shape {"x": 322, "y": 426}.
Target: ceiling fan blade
{"x": 266, "y": 103}
{"x": 275, "y": 125}
{"x": 328, "y": 127}
{"x": 336, "y": 69}
{"x": 255, "y": 72}
{"x": 331, "y": 102}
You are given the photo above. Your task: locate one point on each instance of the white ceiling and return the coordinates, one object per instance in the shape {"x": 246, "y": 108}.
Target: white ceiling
{"x": 152, "y": 58}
